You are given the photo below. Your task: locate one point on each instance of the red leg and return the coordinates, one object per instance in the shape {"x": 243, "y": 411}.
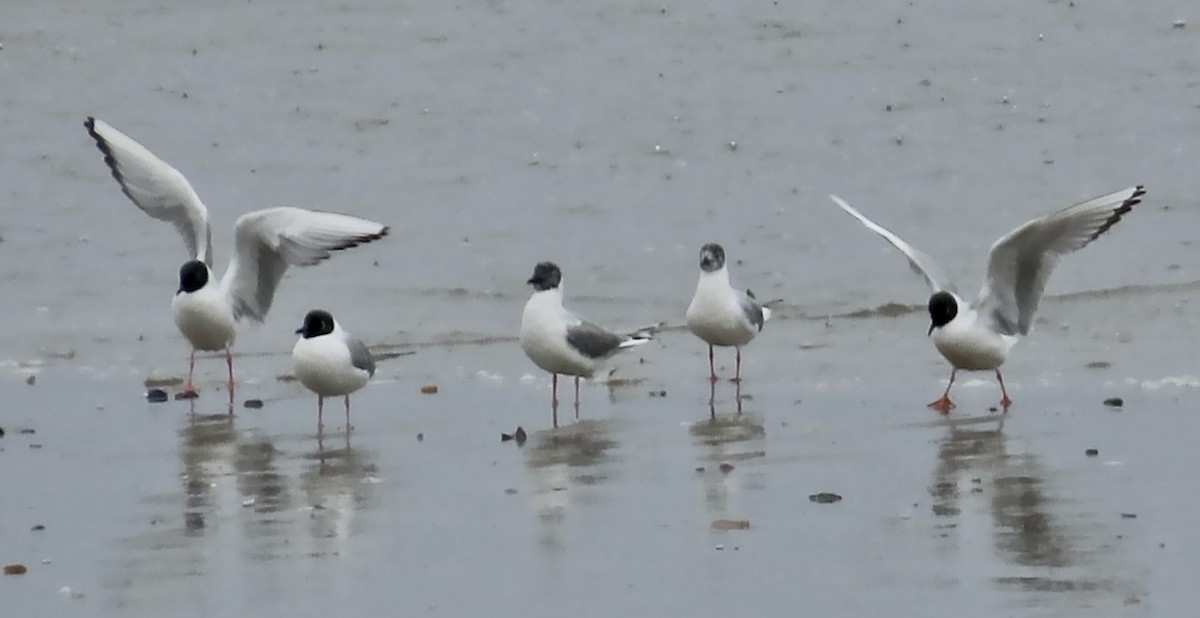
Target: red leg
{"x": 320, "y": 410}
{"x": 1005, "y": 402}
{"x": 944, "y": 405}
{"x": 712, "y": 370}
{"x": 554, "y": 398}
{"x": 229, "y": 363}
{"x": 576, "y": 397}
{"x": 737, "y": 373}
{"x": 189, "y": 389}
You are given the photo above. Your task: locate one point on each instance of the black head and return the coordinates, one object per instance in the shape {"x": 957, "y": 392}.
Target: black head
{"x": 316, "y": 323}
{"x": 546, "y": 276}
{"x": 192, "y": 276}
{"x": 712, "y": 258}
{"x": 942, "y": 309}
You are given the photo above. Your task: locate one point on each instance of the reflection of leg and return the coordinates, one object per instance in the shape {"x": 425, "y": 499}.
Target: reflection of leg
{"x": 189, "y": 388}
{"x": 576, "y": 397}
{"x": 712, "y": 369}
{"x": 944, "y": 405}
{"x": 229, "y": 363}
{"x": 1005, "y": 402}
{"x": 737, "y": 373}
{"x": 738, "y": 396}
{"x": 712, "y": 400}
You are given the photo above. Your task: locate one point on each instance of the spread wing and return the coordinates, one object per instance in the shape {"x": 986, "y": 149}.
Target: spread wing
{"x": 922, "y": 264}
{"x": 267, "y": 241}
{"x": 155, "y": 187}
{"x": 1020, "y": 263}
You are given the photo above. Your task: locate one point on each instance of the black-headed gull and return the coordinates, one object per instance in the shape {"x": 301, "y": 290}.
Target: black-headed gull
{"x": 720, "y": 314}
{"x": 265, "y": 243}
{"x": 559, "y": 341}
{"x": 329, "y": 362}
{"x": 979, "y": 337}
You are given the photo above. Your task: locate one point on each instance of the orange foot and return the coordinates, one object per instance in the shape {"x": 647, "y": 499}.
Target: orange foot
{"x": 1005, "y": 403}
{"x": 188, "y": 392}
{"x": 943, "y": 405}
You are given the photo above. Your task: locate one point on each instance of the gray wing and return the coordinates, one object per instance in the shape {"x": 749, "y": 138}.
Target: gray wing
{"x": 267, "y": 241}
{"x": 592, "y": 341}
{"x": 155, "y": 187}
{"x": 1020, "y": 263}
{"x": 921, "y": 264}
{"x": 752, "y": 310}
{"x": 360, "y": 356}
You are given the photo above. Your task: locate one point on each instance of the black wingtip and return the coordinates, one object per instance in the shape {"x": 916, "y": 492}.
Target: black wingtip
{"x": 1134, "y": 199}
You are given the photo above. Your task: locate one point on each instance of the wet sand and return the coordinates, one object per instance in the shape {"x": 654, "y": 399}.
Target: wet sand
{"x": 614, "y": 139}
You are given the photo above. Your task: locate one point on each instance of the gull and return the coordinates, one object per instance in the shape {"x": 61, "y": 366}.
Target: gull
{"x": 329, "y": 362}
{"x": 978, "y": 336}
{"x": 265, "y": 243}
{"x": 720, "y": 314}
{"x": 559, "y": 341}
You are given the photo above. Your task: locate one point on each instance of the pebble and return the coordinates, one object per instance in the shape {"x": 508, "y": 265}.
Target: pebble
{"x": 38, "y": 528}
{"x": 255, "y": 404}
{"x": 31, "y": 380}
{"x": 156, "y": 395}
{"x": 731, "y": 524}
{"x": 429, "y": 389}
{"x": 726, "y": 468}
{"x": 179, "y": 396}
{"x": 1114, "y": 402}
{"x": 1128, "y": 515}
{"x": 1092, "y": 452}
{"x": 15, "y": 569}
{"x": 519, "y": 436}
{"x": 825, "y": 498}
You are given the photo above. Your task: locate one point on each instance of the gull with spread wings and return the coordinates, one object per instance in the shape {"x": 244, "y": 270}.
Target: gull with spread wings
{"x": 265, "y": 243}
{"x": 978, "y": 336}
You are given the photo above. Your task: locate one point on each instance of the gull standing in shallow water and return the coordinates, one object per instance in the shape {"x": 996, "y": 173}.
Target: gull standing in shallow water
{"x": 329, "y": 362}
{"x": 979, "y": 337}
{"x": 721, "y": 315}
{"x": 265, "y": 243}
{"x": 559, "y": 341}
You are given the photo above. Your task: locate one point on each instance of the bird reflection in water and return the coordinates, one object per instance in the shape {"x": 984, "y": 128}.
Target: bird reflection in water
{"x": 338, "y": 484}
{"x": 1029, "y": 531}
{"x": 564, "y": 462}
{"x": 726, "y": 439}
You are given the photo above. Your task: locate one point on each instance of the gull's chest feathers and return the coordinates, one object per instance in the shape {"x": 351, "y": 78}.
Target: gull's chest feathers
{"x": 544, "y": 336}
{"x": 204, "y": 317}
{"x": 968, "y": 344}
{"x": 323, "y": 365}
{"x": 716, "y": 314}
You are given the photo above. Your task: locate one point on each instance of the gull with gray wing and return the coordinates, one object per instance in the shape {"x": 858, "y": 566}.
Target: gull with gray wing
{"x": 329, "y": 362}
{"x": 720, "y": 314}
{"x": 978, "y": 336}
{"x": 560, "y": 341}
{"x": 266, "y": 243}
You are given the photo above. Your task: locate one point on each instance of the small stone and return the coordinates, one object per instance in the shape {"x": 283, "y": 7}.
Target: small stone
{"x": 31, "y": 380}
{"x": 520, "y": 436}
{"x": 731, "y": 524}
{"x": 1128, "y": 515}
{"x": 1098, "y": 365}
{"x": 254, "y": 404}
{"x": 699, "y": 468}
{"x": 156, "y": 395}
{"x": 721, "y": 547}
{"x": 1179, "y": 23}
{"x": 1092, "y": 452}
{"x": 38, "y": 528}
{"x": 15, "y": 569}
{"x": 186, "y": 395}
{"x": 420, "y": 437}
{"x": 658, "y": 393}
{"x": 510, "y": 492}
{"x": 825, "y": 498}
{"x": 1114, "y": 402}
{"x": 28, "y": 432}
{"x": 1, "y": 432}
{"x": 726, "y": 468}
{"x": 429, "y": 389}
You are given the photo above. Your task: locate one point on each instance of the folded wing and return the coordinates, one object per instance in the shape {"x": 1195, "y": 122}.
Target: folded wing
{"x": 1020, "y": 263}
{"x": 267, "y": 241}
{"x": 155, "y": 187}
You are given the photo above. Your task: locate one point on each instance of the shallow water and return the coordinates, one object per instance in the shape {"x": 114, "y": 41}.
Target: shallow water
{"x": 615, "y": 139}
